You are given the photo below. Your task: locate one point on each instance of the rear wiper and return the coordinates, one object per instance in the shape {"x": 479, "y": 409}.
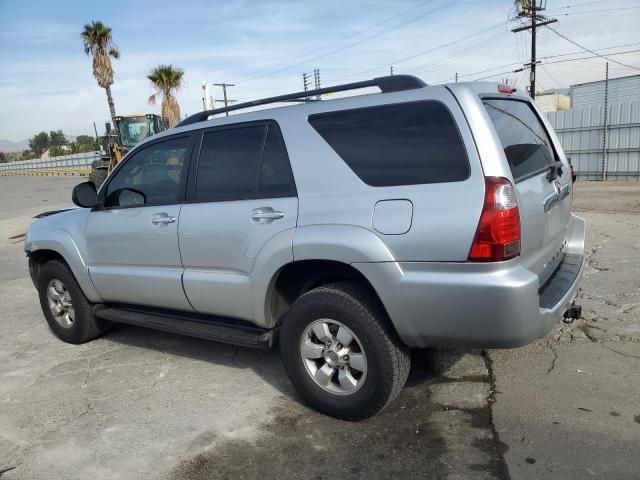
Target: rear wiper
{"x": 555, "y": 171}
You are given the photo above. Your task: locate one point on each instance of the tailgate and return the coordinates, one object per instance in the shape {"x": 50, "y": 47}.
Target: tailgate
{"x": 542, "y": 182}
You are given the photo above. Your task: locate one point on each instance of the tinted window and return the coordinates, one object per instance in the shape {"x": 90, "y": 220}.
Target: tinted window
{"x": 401, "y": 144}
{"x": 242, "y": 163}
{"x": 276, "y": 179}
{"x": 525, "y": 142}
{"x": 151, "y": 176}
{"x": 229, "y": 165}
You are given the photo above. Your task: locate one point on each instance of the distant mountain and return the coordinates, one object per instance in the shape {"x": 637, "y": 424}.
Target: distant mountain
{"x": 9, "y": 146}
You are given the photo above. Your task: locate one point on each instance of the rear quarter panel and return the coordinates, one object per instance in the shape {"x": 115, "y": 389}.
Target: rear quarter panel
{"x": 445, "y": 215}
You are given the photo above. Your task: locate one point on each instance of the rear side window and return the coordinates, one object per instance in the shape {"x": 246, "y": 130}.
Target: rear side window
{"x": 229, "y": 164}
{"x": 276, "y": 179}
{"x": 242, "y": 163}
{"x": 526, "y": 144}
{"x": 400, "y": 144}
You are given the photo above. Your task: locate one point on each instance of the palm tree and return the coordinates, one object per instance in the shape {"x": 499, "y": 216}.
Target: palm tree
{"x": 167, "y": 80}
{"x": 98, "y": 42}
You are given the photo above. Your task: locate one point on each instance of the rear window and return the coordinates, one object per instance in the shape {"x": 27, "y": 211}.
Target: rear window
{"x": 401, "y": 144}
{"x": 526, "y": 144}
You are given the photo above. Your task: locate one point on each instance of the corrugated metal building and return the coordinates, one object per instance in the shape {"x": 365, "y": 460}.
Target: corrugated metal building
{"x": 620, "y": 90}
{"x": 552, "y": 102}
{"x": 594, "y": 149}
{"x": 602, "y": 146}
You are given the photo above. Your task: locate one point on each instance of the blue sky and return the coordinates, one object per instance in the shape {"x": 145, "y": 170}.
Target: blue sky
{"x": 265, "y": 46}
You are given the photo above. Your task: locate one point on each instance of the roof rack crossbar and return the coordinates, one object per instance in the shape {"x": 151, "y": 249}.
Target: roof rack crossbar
{"x": 393, "y": 83}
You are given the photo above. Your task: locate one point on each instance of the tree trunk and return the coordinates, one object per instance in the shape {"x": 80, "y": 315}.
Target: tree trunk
{"x": 112, "y": 107}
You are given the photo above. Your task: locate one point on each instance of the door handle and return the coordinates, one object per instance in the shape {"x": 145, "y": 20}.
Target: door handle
{"x": 271, "y": 215}
{"x": 162, "y": 219}
{"x": 266, "y": 215}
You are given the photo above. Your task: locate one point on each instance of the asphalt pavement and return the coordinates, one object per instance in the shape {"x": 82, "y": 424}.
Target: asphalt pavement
{"x": 144, "y": 404}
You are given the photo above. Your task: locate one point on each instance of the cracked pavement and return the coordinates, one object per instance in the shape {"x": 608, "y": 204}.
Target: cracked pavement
{"x": 143, "y": 404}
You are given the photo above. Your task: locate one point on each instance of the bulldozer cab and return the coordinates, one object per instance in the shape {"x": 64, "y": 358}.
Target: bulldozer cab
{"x": 133, "y": 129}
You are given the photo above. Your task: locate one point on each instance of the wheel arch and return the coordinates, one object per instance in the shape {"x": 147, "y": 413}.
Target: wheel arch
{"x": 298, "y": 277}
{"x": 59, "y": 244}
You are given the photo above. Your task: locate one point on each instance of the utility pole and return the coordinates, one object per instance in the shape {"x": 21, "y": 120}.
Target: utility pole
{"x": 391, "y": 70}
{"x": 224, "y": 93}
{"x": 605, "y": 123}
{"x": 456, "y": 77}
{"x": 316, "y": 80}
{"x": 207, "y": 99}
{"x": 305, "y": 84}
{"x": 529, "y": 10}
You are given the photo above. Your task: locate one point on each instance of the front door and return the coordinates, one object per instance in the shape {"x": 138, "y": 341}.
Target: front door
{"x": 241, "y": 196}
{"x": 132, "y": 239}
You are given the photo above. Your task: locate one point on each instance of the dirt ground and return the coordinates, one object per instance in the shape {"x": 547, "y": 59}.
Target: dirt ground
{"x": 144, "y": 404}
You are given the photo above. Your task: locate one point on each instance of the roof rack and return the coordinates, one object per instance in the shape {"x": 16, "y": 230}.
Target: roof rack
{"x": 393, "y": 83}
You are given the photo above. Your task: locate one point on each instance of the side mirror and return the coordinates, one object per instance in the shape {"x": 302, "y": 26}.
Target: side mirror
{"x": 84, "y": 195}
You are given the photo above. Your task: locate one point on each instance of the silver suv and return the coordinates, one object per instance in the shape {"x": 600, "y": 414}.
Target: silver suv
{"x": 348, "y": 231}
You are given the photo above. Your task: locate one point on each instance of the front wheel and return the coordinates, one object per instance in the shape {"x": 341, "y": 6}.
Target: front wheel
{"x": 67, "y": 310}
{"x": 340, "y": 352}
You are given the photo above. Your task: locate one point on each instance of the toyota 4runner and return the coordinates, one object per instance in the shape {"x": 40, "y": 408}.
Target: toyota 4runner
{"x": 346, "y": 231}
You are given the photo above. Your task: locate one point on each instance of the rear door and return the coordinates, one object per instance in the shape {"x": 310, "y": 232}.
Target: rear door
{"x": 241, "y": 194}
{"x": 543, "y": 190}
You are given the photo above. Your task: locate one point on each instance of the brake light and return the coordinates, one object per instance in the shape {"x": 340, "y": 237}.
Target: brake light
{"x": 498, "y": 234}
{"x": 502, "y": 88}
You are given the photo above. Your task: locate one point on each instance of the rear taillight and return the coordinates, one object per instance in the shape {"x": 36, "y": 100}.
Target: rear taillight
{"x": 498, "y": 234}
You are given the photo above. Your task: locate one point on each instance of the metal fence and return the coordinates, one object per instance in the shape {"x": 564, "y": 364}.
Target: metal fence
{"x": 77, "y": 161}
{"x": 601, "y": 147}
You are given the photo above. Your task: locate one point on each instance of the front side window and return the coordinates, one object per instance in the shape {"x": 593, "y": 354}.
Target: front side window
{"x": 151, "y": 177}
{"x": 525, "y": 142}
{"x": 399, "y": 144}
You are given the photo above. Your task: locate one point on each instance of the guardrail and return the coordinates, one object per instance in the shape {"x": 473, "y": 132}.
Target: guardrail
{"x": 75, "y": 164}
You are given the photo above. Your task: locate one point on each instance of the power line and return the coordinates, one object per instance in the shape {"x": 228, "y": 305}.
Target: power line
{"x": 460, "y": 54}
{"x": 347, "y": 37}
{"x": 596, "y": 50}
{"x": 353, "y": 44}
{"x": 591, "y": 51}
{"x": 594, "y": 56}
{"x": 466, "y": 75}
{"x": 550, "y": 76}
{"x": 429, "y": 50}
{"x": 595, "y": 11}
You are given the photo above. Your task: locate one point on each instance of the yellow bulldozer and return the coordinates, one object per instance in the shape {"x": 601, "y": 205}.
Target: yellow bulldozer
{"x": 129, "y": 131}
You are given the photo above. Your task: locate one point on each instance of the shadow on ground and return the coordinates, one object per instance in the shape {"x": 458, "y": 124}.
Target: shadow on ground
{"x": 404, "y": 440}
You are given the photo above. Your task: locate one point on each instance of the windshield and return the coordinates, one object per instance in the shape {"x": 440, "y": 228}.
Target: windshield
{"x": 134, "y": 130}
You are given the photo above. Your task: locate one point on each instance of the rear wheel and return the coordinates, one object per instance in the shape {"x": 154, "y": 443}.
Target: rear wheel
{"x": 67, "y": 310}
{"x": 340, "y": 352}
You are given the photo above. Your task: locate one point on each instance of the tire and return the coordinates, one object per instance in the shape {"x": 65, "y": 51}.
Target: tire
{"x": 76, "y": 322}
{"x": 97, "y": 177}
{"x": 383, "y": 364}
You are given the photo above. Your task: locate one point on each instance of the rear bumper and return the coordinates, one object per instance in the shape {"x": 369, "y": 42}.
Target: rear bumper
{"x": 497, "y": 305}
